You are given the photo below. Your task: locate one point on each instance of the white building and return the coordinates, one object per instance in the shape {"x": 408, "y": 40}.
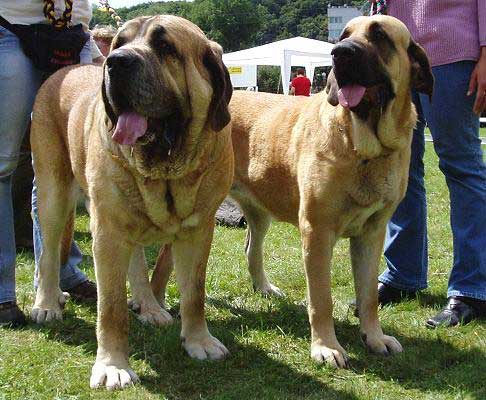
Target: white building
{"x": 338, "y": 17}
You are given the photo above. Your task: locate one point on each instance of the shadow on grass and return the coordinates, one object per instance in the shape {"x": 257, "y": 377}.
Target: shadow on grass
{"x": 427, "y": 299}
{"x": 428, "y": 364}
{"x": 248, "y": 373}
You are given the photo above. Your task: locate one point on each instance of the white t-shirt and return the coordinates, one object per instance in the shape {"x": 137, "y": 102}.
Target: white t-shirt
{"x": 28, "y": 12}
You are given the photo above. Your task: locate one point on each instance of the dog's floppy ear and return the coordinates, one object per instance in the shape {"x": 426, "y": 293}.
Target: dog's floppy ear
{"x": 219, "y": 115}
{"x": 422, "y": 78}
{"x": 332, "y": 89}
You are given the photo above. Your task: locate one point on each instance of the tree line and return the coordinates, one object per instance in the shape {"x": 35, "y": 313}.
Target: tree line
{"x": 241, "y": 24}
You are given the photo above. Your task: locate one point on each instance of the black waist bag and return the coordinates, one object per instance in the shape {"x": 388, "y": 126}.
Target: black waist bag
{"x": 49, "y": 48}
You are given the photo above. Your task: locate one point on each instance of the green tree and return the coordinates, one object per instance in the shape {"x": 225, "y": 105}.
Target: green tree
{"x": 101, "y": 18}
{"x": 232, "y": 23}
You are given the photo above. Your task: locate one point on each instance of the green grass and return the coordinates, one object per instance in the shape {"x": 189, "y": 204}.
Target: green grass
{"x": 268, "y": 338}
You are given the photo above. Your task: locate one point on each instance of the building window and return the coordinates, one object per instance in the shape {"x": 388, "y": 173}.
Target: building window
{"x": 335, "y": 20}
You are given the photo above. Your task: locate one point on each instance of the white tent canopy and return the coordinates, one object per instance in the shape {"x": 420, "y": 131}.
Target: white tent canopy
{"x": 298, "y": 51}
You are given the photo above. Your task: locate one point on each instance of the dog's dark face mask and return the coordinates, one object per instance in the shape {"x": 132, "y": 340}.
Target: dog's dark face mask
{"x": 360, "y": 79}
{"x": 139, "y": 100}
{"x": 145, "y": 89}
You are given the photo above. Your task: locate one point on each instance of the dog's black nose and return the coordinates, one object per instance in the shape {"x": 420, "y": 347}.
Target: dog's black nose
{"x": 121, "y": 59}
{"x": 345, "y": 50}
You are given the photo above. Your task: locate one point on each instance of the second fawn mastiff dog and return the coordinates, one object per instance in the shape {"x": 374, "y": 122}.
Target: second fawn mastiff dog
{"x": 335, "y": 165}
{"x": 147, "y": 139}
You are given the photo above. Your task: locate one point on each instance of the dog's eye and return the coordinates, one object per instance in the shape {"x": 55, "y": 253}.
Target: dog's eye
{"x": 165, "y": 48}
{"x": 344, "y": 34}
{"x": 119, "y": 42}
{"x": 379, "y": 35}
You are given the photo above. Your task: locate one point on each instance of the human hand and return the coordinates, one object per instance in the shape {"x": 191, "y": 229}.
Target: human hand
{"x": 478, "y": 83}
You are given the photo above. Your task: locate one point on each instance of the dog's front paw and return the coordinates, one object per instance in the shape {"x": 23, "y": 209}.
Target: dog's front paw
{"x": 46, "y": 310}
{"x": 332, "y": 355}
{"x": 150, "y": 313}
{"x": 112, "y": 376}
{"x": 382, "y": 344}
{"x": 206, "y": 348}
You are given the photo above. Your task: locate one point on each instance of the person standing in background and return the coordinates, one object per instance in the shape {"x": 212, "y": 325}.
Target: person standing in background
{"x": 103, "y": 36}
{"x": 300, "y": 85}
{"x": 19, "y": 83}
{"x": 453, "y": 34}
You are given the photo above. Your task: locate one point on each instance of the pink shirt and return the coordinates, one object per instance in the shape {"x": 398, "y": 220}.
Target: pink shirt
{"x": 449, "y": 30}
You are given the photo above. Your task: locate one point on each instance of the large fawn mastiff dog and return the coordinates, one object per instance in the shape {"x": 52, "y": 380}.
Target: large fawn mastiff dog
{"x": 335, "y": 165}
{"x": 147, "y": 139}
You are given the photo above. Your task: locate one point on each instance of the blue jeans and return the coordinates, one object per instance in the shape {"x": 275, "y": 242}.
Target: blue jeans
{"x": 19, "y": 82}
{"x": 455, "y": 131}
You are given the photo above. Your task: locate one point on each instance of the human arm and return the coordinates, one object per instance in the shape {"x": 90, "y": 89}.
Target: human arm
{"x": 477, "y": 83}
{"x": 96, "y": 55}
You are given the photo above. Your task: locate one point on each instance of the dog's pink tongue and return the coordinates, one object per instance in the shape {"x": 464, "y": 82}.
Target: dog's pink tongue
{"x": 129, "y": 128}
{"x": 351, "y": 95}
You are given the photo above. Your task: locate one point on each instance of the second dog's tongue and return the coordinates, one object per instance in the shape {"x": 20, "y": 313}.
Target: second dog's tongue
{"x": 351, "y": 95}
{"x": 129, "y": 128}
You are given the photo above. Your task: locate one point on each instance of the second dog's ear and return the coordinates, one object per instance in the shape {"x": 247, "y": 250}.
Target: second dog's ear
{"x": 422, "y": 78}
{"x": 332, "y": 89}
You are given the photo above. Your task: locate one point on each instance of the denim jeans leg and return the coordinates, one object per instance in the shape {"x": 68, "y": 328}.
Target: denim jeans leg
{"x": 455, "y": 129}
{"x": 7, "y": 240}
{"x": 406, "y": 250}
{"x": 19, "y": 82}
{"x": 70, "y": 275}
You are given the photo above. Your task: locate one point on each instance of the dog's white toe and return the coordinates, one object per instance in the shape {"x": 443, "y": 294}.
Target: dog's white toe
{"x": 150, "y": 314}
{"x": 46, "y": 311}
{"x": 334, "y": 356}
{"x": 270, "y": 290}
{"x": 112, "y": 377}
{"x": 382, "y": 344}
{"x": 207, "y": 348}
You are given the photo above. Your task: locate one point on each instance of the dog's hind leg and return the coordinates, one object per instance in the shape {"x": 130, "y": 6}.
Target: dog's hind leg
{"x": 160, "y": 276}
{"x": 258, "y": 224}
{"x": 143, "y": 301}
{"x": 366, "y": 251}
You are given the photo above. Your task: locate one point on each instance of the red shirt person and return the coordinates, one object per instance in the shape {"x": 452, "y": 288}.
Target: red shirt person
{"x": 300, "y": 85}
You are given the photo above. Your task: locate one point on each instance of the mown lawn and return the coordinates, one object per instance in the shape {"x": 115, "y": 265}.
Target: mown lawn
{"x": 268, "y": 338}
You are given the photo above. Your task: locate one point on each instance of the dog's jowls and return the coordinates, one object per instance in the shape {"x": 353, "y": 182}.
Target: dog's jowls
{"x": 147, "y": 139}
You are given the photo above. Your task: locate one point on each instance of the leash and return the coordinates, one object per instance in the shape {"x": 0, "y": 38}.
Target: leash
{"x": 378, "y": 7}
{"x": 105, "y": 7}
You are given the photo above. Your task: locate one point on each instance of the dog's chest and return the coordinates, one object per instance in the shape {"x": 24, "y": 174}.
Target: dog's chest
{"x": 376, "y": 181}
{"x": 164, "y": 210}
{"x": 377, "y": 184}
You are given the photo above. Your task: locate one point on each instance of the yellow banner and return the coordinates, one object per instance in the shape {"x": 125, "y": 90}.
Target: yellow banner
{"x": 235, "y": 70}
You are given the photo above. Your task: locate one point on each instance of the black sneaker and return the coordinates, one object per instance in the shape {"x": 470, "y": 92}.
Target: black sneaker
{"x": 11, "y": 315}
{"x": 458, "y": 310}
{"x": 84, "y": 292}
{"x": 388, "y": 294}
